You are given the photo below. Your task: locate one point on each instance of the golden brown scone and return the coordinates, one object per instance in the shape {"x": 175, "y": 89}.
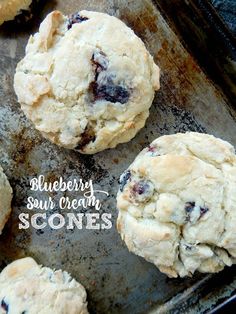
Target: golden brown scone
{"x": 10, "y": 8}
{"x": 87, "y": 81}
{"x": 177, "y": 204}
{"x": 26, "y": 287}
{"x": 5, "y": 199}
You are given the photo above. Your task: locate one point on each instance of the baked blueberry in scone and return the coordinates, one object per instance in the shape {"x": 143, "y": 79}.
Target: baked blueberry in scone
{"x": 5, "y": 199}
{"x": 177, "y": 204}
{"x": 87, "y": 81}
{"x": 26, "y": 287}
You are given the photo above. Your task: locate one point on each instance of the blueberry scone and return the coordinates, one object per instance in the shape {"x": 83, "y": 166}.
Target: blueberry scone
{"x": 177, "y": 204}
{"x": 5, "y": 199}
{"x": 26, "y": 287}
{"x": 10, "y": 8}
{"x": 87, "y": 81}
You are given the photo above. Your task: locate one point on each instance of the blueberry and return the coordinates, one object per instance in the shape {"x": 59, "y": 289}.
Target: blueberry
{"x": 198, "y": 211}
{"x": 4, "y": 306}
{"x": 86, "y": 137}
{"x": 123, "y": 179}
{"x": 110, "y": 92}
{"x": 188, "y": 247}
{"x": 140, "y": 187}
{"x": 100, "y": 61}
{"x": 203, "y": 210}
{"x": 189, "y": 206}
{"x": 103, "y": 86}
{"x": 142, "y": 190}
{"x": 151, "y": 149}
{"x": 75, "y": 18}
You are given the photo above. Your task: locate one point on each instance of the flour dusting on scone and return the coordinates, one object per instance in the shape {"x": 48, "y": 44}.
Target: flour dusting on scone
{"x": 10, "y": 8}
{"x": 26, "y": 287}
{"x": 177, "y": 204}
{"x": 87, "y": 81}
{"x": 5, "y": 199}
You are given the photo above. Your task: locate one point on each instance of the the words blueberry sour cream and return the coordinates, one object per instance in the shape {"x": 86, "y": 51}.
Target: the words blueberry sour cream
{"x": 77, "y": 218}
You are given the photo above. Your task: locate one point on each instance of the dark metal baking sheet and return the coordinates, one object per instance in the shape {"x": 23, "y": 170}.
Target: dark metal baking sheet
{"x": 116, "y": 280}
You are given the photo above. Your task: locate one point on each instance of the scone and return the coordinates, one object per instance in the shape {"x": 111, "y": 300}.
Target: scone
{"x": 87, "y": 81}
{"x": 177, "y": 204}
{"x": 5, "y": 199}
{"x": 26, "y": 287}
{"x": 10, "y": 8}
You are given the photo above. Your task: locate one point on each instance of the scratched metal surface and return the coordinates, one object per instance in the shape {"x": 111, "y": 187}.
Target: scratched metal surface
{"x": 116, "y": 280}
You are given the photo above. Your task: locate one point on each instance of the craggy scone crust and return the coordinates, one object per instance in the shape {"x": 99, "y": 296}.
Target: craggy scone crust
{"x": 26, "y": 287}
{"x": 10, "y": 8}
{"x": 177, "y": 204}
{"x": 5, "y": 199}
{"x": 87, "y": 81}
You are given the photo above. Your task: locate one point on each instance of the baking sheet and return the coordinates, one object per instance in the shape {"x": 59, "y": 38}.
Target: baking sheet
{"x": 116, "y": 281}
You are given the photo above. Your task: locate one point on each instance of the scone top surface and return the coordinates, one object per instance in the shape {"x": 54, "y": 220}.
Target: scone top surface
{"x": 87, "y": 81}
{"x": 26, "y": 287}
{"x": 5, "y": 199}
{"x": 177, "y": 204}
